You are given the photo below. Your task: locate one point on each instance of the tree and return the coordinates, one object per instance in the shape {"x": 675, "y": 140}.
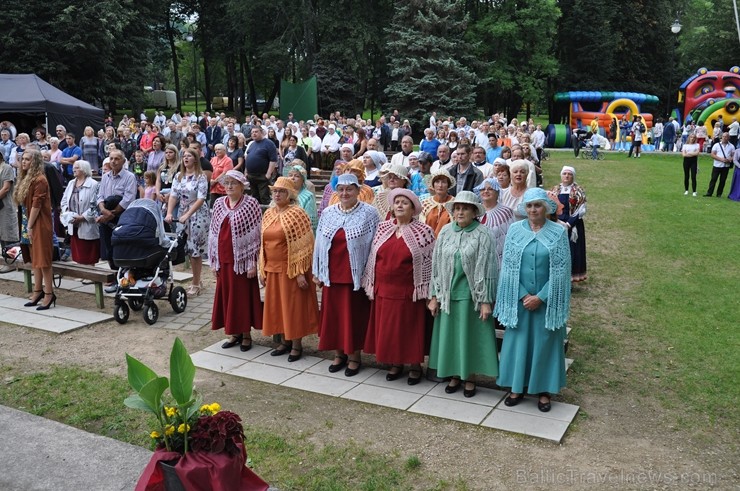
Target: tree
{"x": 428, "y": 69}
{"x": 708, "y": 38}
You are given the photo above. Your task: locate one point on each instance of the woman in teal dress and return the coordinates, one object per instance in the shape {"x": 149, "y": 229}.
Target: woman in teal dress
{"x": 533, "y": 302}
{"x": 463, "y": 287}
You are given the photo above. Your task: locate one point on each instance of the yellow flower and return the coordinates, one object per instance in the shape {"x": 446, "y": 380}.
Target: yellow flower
{"x": 183, "y": 428}
{"x": 204, "y": 408}
{"x": 169, "y": 430}
{"x": 214, "y": 408}
{"x": 154, "y": 434}
{"x": 170, "y": 411}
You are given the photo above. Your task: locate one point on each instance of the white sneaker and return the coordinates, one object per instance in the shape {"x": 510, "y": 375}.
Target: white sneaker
{"x": 686, "y": 193}
{"x": 694, "y": 195}
{"x": 639, "y": 156}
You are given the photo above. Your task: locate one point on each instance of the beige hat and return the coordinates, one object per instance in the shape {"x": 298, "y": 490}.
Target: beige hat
{"x": 468, "y": 198}
{"x": 395, "y": 169}
{"x": 443, "y": 173}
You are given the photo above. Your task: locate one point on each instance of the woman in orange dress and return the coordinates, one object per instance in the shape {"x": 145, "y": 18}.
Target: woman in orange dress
{"x": 291, "y": 308}
{"x": 32, "y": 191}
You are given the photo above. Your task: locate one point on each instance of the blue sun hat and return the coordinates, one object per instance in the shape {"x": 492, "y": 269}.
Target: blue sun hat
{"x": 536, "y": 194}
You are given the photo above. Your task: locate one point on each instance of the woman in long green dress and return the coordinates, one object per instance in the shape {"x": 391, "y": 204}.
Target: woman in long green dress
{"x": 463, "y": 287}
{"x": 533, "y": 302}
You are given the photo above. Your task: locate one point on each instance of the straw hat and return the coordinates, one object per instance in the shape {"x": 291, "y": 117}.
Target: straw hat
{"x": 443, "y": 173}
{"x": 235, "y": 175}
{"x": 467, "y": 198}
{"x": 395, "y": 169}
{"x": 287, "y": 184}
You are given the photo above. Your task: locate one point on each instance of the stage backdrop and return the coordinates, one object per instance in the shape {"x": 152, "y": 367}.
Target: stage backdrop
{"x": 301, "y": 99}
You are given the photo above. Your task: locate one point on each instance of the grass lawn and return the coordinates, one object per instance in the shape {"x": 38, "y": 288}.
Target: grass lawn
{"x": 655, "y": 325}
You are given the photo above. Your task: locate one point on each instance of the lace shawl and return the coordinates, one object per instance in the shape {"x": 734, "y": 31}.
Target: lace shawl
{"x": 475, "y": 245}
{"x": 555, "y": 239}
{"x": 297, "y": 229}
{"x": 381, "y": 203}
{"x": 498, "y": 220}
{"x": 245, "y": 220}
{"x": 359, "y": 226}
{"x": 441, "y": 215}
{"x": 419, "y": 238}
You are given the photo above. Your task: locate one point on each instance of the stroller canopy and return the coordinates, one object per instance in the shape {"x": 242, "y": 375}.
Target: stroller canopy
{"x": 142, "y": 222}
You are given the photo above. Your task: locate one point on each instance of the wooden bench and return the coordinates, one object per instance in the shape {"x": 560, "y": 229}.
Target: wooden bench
{"x": 91, "y": 273}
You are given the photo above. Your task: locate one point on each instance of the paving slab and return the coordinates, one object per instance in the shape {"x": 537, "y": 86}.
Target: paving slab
{"x": 540, "y": 427}
{"x": 382, "y": 396}
{"x": 320, "y": 384}
{"x": 263, "y": 373}
{"x": 58, "y": 319}
{"x": 62, "y": 458}
{"x": 215, "y": 362}
{"x": 451, "y": 409}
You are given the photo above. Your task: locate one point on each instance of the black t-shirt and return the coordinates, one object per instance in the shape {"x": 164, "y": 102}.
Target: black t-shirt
{"x": 205, "y": 165}
{"x": 259, "y": 155}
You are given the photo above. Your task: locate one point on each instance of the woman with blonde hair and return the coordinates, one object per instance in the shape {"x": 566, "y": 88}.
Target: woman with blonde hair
{"x": 512, "y": 195}
{"x": 90, "y": 146}
{"x": 32, "y": 192}
{"x": 168, "y": 169}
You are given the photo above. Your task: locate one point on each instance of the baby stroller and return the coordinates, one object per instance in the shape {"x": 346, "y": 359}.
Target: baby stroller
{"x": 144, "y": 255}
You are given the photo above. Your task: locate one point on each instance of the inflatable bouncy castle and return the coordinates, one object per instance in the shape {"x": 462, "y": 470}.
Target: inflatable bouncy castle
{"x": 595, "y": 110}
{"x": 708, "y": 97}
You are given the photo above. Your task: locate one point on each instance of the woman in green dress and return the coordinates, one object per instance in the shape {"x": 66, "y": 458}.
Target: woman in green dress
{"x": 463, "y": 287}
{"x": 533, "y": 302}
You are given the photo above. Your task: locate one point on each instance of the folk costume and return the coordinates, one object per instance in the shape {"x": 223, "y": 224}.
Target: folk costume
{"x": 233, "y": 247}
{"x": 396, "y": 279}
{"x": 286, "y": 250}
{"x": 573, "y": 198}
{"x": 343, "y": 242}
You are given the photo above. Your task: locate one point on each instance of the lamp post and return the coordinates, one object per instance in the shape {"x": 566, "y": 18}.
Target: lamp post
{"x": 675, "y": 29}
{"x": 191, "y": 39}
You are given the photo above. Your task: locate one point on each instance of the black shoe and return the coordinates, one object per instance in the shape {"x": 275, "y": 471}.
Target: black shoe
{"x": 390, "y": 377}
{"x": 469, "y": 392}
{"x": 351, "y": 372}
{"x": 544, "y": 406}
{"x": 414, "y": 380}
{"x": 292, "y": 357}
{"x": 48, "y": 305}
{"x": 245, "y": 347}
{"x": 232, "y": 343}
{"x": 511, "y": 401}
{"x": 36, "y": 300}
{"x": 451, "y": 389}
{"x": 281, "y": 350}
{"x": 334, "y": 368}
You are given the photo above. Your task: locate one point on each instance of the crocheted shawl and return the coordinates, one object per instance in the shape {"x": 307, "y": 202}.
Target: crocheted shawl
{"x": 367, "y": 195}
{"x": 419, "y": 238}
{"x": 498, "y": 219}
{"x": 245, "y": 220}
{"x": 359, "y": 227}
{"x": 441, "y": 215}
{"x": 555, "y": 239}
{"x": 297, "y": 229}
{"x": 576, "y": 199}
{"x": 380, "y": 202}
{"x": 307, "y": 201}
{"x": 474, "y": 243}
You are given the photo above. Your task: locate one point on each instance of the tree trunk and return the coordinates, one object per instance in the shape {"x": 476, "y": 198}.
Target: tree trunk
{"x": 250, "y": 81}
{"x": 240, "y": 85}
{"x": 207, "y": 78}
{"x": 175, "y": 60}
{"x": 273, "y": 93}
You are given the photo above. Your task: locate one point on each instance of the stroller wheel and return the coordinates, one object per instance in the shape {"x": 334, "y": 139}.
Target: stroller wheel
{"x": 121, "y": 312}
{"x": 136, "y": 304}
{"x": 178, "y": 299}
{"x": 151, "y": 313}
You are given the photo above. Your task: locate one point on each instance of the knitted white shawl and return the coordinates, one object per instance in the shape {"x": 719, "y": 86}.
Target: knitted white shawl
{"x": 359, "y": 227}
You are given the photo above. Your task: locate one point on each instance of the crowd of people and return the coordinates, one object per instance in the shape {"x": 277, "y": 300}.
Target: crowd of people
{"x": 420, "y": 257}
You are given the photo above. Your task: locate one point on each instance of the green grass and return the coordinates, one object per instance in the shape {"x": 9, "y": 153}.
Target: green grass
{"x": 93, "y": 401}
{"x": 658, "y": 316}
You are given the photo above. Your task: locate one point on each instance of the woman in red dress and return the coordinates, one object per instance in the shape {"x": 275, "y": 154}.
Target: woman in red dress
{"x": 233, "y": 246}
{"x": 343, "y": 239}
{"x": 397, "y": 279}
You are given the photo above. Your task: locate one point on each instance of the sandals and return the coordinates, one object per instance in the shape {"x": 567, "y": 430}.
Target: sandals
{"x": 194, "y": 290}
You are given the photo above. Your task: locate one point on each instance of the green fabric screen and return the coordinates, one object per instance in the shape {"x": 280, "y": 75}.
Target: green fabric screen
{"x": 301, "y": 99}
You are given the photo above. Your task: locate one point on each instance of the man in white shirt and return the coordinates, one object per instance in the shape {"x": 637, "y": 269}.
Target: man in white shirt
{"x": 402, "y": 157}
{"x": 444, "y": 159}
{"x": 722, "y": 153}
{"x": 733, "y": 130}
{"x": 538, "y": 140}
{"x": 479, "y": 161}
{"x": 481, "y": 137}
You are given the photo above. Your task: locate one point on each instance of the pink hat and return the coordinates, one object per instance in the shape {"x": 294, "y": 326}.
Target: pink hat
{"x": 407, "y": 193}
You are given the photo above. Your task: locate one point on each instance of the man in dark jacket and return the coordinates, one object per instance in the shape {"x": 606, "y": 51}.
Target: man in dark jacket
{"x": 466, "y": 174}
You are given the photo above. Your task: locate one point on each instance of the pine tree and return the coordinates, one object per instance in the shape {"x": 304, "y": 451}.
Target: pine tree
{"x": 429, "y": 69}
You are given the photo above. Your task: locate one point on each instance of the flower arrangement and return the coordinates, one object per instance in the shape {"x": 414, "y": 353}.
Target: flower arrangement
{"x": 201, "y": 438}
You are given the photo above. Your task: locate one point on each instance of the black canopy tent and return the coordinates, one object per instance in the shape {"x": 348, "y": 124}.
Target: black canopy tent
{"x": 26, "y": 100}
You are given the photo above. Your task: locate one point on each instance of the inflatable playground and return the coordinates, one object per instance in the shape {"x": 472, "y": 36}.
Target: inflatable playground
{"x": 707, "y": 97}
{"x": 593, "y": 111}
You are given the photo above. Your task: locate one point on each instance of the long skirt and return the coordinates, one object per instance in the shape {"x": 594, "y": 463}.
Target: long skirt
{"x": 463, "y": 344}
{"x": 289, "y": 310}
{"x": 344, "y": 317}
{"x": 396, "y": 331}
{"x": 578, "y": 254}
{"x": 84, "y": 251}
{"x": 236, "y": 304}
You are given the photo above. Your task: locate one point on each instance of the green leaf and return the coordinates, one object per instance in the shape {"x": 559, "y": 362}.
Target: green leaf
{"x": 138, "y": 373}
{"x": 136, "y": 402}
{"x": 182, "y": 373}
{"x": 152, "y": 392}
